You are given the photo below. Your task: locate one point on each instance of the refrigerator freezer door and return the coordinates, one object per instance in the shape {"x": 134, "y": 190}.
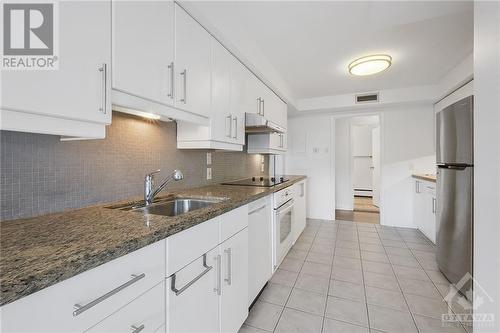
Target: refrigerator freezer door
{"x": 454, "y": 143}
{"x": 454, "y": 218}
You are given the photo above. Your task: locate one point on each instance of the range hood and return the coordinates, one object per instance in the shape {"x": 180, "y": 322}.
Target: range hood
{"x": 256, "y": 123}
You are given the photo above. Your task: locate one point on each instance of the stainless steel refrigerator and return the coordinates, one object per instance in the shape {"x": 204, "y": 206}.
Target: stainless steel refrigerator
{"x": 455, "y": 183}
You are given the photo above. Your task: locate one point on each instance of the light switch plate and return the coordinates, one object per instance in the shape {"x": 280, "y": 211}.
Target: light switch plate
{"x": 209, "y": 158}
{"x": 209, "y": 173}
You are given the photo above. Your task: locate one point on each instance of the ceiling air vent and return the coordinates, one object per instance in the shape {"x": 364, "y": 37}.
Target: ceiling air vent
{"x": 367, "y": 98}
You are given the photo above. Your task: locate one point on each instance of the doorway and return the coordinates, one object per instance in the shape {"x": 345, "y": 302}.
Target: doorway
{"x": 357, "y": 169}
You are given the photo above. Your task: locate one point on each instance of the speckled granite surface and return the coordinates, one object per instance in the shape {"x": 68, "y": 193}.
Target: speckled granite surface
{"x": 38, "y": 252}
{"x": 425, "y": 176}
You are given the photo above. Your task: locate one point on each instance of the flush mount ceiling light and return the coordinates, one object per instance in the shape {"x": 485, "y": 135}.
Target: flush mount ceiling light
{"x": 370, "y": 65}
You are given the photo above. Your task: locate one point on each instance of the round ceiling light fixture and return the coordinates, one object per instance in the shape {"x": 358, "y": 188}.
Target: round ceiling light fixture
{"x": 370, "y": 65}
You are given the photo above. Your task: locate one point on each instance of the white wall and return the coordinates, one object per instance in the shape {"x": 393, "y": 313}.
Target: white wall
{"x": 309, "y": 152}
{"x": 343, "y": 180}
{"x": 487, "y": 159}
{"x": 408, "y": 146}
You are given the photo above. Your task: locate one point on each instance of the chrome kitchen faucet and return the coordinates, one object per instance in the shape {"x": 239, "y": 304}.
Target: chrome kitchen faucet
{"x": 149, "y": 193}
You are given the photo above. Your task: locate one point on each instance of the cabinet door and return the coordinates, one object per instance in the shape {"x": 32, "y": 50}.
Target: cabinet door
{"x": 143, "y": 49}
{"x": 300, "y": 209}
{"x": 144, "y": 314}
{"x": 80, "y": 88}
{"x": 192, "y": 64}
{"x": 234, "y": 307}
{"x": 241, "y": 101}
{"x": 274, "y": 108}
{"x": 221, "y": 117}
{"x": 253, "y": 90}
{"x": 419, "y": 206}
{"x": 193, "y": 301}
{"x": 430, "y": 213}
{"x": 259, "y": 245}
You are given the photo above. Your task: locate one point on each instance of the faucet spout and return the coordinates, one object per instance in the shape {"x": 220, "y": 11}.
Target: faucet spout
{"x": 149, "y": 193}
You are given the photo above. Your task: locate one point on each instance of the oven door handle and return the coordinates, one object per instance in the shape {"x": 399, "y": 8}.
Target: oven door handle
{"x": 284, "y": 206}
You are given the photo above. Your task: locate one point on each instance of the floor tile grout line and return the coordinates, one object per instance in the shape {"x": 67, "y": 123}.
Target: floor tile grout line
{"x": 364, "y": 286}
{"x": 294, "y": 283}
{"x": 330, "y": 278}
{"x": 401, "y": 289}
{"x": 432, "y": 281}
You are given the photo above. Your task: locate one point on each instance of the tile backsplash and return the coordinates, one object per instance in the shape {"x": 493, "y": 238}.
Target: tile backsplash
{"x": 41, "y": 174}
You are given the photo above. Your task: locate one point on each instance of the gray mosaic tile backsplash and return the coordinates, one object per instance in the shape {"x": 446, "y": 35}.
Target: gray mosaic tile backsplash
{"x": 41, "y": 174}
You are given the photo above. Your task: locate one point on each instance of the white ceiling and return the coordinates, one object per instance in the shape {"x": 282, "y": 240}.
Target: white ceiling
{"x": 311, "y": 43}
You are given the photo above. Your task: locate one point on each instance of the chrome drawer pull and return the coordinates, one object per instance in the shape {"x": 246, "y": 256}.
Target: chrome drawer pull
{"x": 184, "y": 75}
{"x": 190, "y": 283}
{"x": 229, "y": 278}
{"x": 103, "y": 71}
{"x": 82, "y": 308}
{"x": 137, "y": 329}
{"x": 172, "y": 83}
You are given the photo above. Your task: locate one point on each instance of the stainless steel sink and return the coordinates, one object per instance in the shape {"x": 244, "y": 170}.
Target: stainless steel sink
{"x": 172, "y": 207}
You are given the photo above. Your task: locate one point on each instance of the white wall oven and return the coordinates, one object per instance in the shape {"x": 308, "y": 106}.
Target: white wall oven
{"x": 282, "y": 225}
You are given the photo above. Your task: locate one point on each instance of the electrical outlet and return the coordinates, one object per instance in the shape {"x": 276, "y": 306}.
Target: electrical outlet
{"x": 209, "y": 173}
{"x": 209, "y": 158}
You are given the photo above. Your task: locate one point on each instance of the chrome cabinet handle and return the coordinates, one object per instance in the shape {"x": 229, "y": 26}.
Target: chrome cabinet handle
{"x": 263, "y": 107}
{"x": 433, "y": 205}
{"x": 103, "y": 71}
{"x": 82, "y": 308}
{"x": 184, "y": 75}
{"x": 190, "y": 283}
{"x": 137, "y": 329}
{"x": 218, "y": 287}
{"x": 417, "y": 187}
{"x": 302, "y": 190}
{"x": 235, "y": 120}
{"x": 229, "y": 129}
{"x": 259, "y": 105}
{"x": 172, "y": 71}
{"x": 229, "y": 277}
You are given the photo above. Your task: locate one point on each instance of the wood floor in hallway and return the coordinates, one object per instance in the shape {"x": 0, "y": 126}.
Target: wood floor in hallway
{"x": 364, "y": 211}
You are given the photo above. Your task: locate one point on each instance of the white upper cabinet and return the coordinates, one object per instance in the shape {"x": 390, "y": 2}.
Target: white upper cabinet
{"x": 221, "y": 117}
{"x": 274, "y": 109}
{"x": 227, "y": 118}
{"x": 192, "y": 64}
{"x": 73, "y": 100}
{"x": 143, "y": 49}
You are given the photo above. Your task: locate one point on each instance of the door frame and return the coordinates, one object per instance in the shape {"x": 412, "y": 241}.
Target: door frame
{"x": 333, "y": 119}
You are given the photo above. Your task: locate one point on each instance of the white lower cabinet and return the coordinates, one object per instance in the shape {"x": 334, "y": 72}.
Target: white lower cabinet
{"x": 144, "y": 314}
{"x": 192, "y": 296}
{"x": 260, "y": 260}
{"x": 424, "y": 208}
{"x": 234, "y": 295}
{"x": 210, "y": 293}
{"x": 299, "y": 222}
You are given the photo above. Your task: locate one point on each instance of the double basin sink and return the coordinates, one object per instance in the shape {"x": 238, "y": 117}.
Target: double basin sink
{"x": 169, "y": 206}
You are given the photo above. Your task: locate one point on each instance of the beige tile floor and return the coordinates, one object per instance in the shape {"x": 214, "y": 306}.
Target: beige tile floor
{"x": 344, "y": 276}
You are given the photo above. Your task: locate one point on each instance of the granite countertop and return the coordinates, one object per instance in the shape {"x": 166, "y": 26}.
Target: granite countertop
{"x": 38, "y": 252}
{"x": 430, "y": 177}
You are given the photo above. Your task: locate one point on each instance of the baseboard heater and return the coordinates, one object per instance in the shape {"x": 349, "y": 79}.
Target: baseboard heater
{"x": 360, "y": 192}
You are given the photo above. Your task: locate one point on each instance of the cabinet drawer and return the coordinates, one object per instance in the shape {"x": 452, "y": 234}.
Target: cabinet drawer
{"x": 232, "y": 222}
{"x": 186, "y": 246}
{"x": 145, "y": 314}
{"x": 99, "y": 292}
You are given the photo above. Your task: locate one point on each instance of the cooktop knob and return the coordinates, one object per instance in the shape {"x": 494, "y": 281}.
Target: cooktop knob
{"x": 261, "y": 179}
{"x": 282, "y": 179}
{"x": 272, "y": 179}
{"x": 253, "y": 179}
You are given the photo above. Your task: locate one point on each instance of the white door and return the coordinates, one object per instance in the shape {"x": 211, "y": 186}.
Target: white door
{"x": 192, "y": 64}
{"x": 221, "y": 118}
{"x": 193, "y": 301}
{"x": 376, "y": 166}
{"x": 234, "y": 307}
{"x": 80, "y": 89}
{"x": 143, "y": 49}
